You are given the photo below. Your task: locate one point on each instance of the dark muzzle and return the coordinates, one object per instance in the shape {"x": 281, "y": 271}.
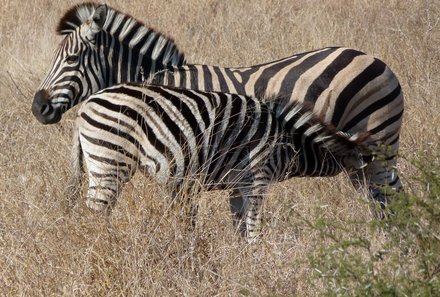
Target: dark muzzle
{"x": 43, "y": 110}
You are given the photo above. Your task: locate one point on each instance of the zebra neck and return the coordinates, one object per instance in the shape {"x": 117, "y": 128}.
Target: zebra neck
{"x": 124, "y": 62}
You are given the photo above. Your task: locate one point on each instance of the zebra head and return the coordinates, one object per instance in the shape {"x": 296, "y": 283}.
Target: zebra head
{"x": 101, "y": 47}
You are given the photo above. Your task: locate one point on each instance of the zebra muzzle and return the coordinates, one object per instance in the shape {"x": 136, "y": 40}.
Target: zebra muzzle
{"x": 43, "y": 110}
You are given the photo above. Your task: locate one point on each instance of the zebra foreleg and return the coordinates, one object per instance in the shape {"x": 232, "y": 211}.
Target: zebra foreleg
{"x": 73, "y": 188}
{"x": 105, "y": 185}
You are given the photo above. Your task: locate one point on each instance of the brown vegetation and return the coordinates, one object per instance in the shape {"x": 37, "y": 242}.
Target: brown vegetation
{"x": 143, "y": 249}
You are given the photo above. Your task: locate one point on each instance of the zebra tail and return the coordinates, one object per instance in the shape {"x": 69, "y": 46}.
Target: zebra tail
{"x": 351, "y": 149}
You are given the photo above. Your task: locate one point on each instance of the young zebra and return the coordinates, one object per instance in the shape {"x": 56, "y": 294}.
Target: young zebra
{"x": 354, "y": 92}
{"x": 221, "y": 140}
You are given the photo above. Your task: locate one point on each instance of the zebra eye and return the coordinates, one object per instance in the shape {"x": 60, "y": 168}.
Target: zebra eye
{"x": 72, "y": 59}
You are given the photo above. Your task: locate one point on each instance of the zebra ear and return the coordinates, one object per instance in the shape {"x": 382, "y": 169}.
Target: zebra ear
{"x": 97, "y": 22}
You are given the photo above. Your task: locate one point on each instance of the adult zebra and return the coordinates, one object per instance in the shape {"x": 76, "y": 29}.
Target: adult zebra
{"x": 352, "y": 91}
{"x": 220, "y": 140}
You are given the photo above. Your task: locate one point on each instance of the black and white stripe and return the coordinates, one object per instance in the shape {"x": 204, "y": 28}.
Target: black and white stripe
{"x": 353, "y": 91}
{"x": 220, "y": 140}
{"x": 101, "y": 47}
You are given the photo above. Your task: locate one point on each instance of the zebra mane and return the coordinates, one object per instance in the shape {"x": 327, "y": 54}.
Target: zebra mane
{"x": 141, "y": 35}
{"x": 75, "y": 17}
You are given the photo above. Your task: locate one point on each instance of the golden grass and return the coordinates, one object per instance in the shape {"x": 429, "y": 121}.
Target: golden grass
{"x": 143, "y": 250}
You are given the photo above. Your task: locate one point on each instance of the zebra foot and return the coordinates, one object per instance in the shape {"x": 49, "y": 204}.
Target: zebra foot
{"x": 253, "y": 236}
{"x": 239, "y": 224}
{"x": 98, "y": 205}
{"x": 71, "y": 195}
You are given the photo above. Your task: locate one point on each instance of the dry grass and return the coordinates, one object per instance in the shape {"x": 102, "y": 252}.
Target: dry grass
{"x": 143, "y": 249}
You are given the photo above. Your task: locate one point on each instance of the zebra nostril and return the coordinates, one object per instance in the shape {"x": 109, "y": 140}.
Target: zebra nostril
{"x": 42, "y": 110}
{"x": 41, "y": 99}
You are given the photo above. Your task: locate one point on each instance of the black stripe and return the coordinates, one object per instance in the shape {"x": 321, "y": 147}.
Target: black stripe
{"x": 108, "y": 161}
{"x": 148, "y": 53}
{"x": 123, "y": 63}
{"x": 395, "y": 140}
{"x": 291, "y": 77}
{"x": 115, "y": 58}
{"x": 207, "y": 78}
{"x": 237, "y": 133}
{"x": 386, "y": 123}
{"x": 289, "y": 81}
{"x": 239, "y": 87}
{"x": 118, "y": 30}
{"x": 221, "y": 80}
{"x": 102, "y": 188}
{"x": 323, "y": 81}
{"x": 216, "y": 134}
{"x": 193, "y": 77}
{"x": 108, "y": 144}
{"x": 115, "y": 174}
{"x": 182, "y": 82}
{"x": 186, "y": 112}
{"x": 184, "y": 109}
{"x": 110, "y": 21}
{"x": 371, "y": 72}
{"x": 201, "y": 105}
{"x": 372, "y": 108}
{"x": 137, "y": 47}
{"x": 278, "y": 64}
{"x": 131, "y": 33}
{"x": 135, "y": 116}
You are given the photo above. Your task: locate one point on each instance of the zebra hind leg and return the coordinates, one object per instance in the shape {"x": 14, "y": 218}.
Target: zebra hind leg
{"x": 238, "y": 203}
{"x": 246, "y": 203}
{"x": 185, "y": 195}
{"x": 253, "y": 212}
{"x": 383, "y": 182}
{"x": 105, "y": 183}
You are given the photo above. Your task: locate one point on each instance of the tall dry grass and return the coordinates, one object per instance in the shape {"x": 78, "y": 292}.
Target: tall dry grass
{"x": 143, "y": 249}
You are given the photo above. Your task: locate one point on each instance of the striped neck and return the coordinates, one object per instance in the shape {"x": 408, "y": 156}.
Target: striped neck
{"x": 131, "y": 50}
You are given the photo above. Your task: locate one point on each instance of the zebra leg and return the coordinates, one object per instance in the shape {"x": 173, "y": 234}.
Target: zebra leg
{"x": 185, "y": 194}
{"x": 257, "y": 190}
{"x": 73, "y": 188}
{"x": 253, "y": 213}
{"x": 382, "y": 179}
{"x": 238, "y": 203}
{"x": 105, "y": 184}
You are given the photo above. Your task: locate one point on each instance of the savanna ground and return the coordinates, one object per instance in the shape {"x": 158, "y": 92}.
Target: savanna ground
{"x": 143, "y": 249}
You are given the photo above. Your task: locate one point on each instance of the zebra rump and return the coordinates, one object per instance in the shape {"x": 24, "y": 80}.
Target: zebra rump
{"x": 220, "y": 140}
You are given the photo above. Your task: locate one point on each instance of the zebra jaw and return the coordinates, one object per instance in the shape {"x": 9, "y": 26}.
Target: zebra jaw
{"x": 43, "y": 109}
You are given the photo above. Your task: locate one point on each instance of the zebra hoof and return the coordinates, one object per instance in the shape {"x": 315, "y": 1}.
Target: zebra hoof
{"x": 97, "y": 204}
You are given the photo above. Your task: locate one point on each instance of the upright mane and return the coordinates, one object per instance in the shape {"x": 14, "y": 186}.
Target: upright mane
{"x": 126, "y": 29}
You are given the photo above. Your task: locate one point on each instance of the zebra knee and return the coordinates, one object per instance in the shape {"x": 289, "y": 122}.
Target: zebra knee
{"x": 101, "y": 200}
